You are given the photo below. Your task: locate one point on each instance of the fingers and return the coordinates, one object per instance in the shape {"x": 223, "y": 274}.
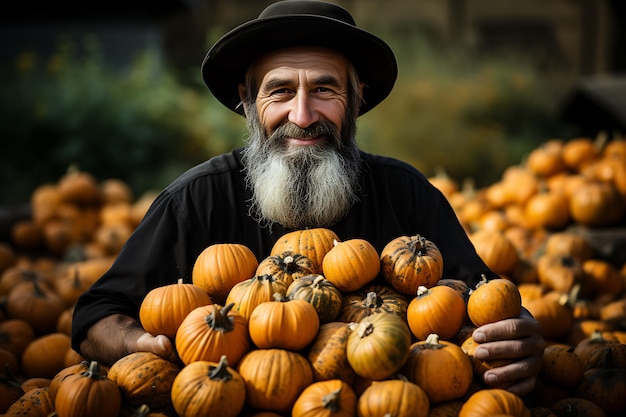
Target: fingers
{"x": 519, "y": 377}
{"x": 160, "y": 345}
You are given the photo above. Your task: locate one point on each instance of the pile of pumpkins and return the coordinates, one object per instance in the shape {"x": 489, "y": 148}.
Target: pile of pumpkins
{"x": 325, "y": 326}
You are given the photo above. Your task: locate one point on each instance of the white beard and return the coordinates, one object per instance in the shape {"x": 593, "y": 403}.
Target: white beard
{"x": 300, "y": 186}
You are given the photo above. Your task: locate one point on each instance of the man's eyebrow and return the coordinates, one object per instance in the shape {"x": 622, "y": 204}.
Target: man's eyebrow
{"x": 281, "y": 82}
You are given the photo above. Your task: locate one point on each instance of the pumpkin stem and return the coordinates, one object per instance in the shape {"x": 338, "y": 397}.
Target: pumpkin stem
{"x": 142, "y": 411}
{"x": 180, "y": 281}
{"x": 432, "y": 342}
{"x": 219, "y": 319}
{"x": 331, "y": 401}
{"x": 281, "y": 298}
{"x": 365, "y": 329}
{"x": 220, "y": 371}
{"x": 319, "y": 279}
{"x": 422, "y": 291}
{"x": 372, "y": 300}
{"x": 94, "y": 371}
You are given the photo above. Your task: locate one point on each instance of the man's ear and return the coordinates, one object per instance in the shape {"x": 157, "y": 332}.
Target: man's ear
{"x": 242, "y": 97}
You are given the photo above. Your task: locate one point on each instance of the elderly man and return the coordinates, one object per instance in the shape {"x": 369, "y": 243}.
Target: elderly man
{"x": 301, "y": 73}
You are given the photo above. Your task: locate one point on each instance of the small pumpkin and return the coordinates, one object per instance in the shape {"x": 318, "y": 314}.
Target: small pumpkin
{"x": 164, "y": 308}
{"x": 313, "y": 243}
{"x": 393, "y": 397}
{"x": 45, "y": 356}
{"x": 409, "y": 262}
{"x": 35, "y": 402}
{"x": 283, "y": 323}
{"x": 145, "y": 378}
{"x": 208, "y": 389}
{"x": 378, "y": 346}
{"x": 561, "y": 366}
{"x": 604, "y": 386}
{"x": 493, "y": 300}
{"x": 439, "y": 309}
{"x": 248, "y": 294}
{"x": 370, "y": 300}
{"x": 210, "y": 331}
{"x": 440, "y": 367}
{"x": 577, "y": 407}
{"x": 222, "y": 265}
{"x": 494, "y": 401}
{"x": 287, "y": 266}
{"x": 351, "y": 264}
{"x": 332, "y": 397}
{"x": 327, "y": 354}
{"x": 320, "y": 293}
{"x": 274, "y": 378}
{"x": 496, "y": 250}
{"x": 88, "y": 393}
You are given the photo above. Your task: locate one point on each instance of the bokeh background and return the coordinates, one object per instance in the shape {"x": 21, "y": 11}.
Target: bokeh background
{"x": 114, "y": 88}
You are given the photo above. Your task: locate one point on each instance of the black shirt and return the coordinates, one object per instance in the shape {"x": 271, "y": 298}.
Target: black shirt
{"x": 209, "y": 204}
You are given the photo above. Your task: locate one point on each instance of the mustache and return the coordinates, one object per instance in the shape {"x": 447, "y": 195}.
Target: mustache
{"x": 291, "y": 130}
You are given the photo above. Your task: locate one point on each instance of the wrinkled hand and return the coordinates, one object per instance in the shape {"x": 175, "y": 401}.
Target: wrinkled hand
{"x": 160, "y": 345}
{"x": 518, "y": 339}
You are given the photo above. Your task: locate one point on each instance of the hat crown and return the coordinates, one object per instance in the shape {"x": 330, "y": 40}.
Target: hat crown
{"x": 307, "y": 7}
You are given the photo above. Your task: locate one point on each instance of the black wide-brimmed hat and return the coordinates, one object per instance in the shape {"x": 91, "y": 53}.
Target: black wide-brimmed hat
{"x": 292, "y": 23}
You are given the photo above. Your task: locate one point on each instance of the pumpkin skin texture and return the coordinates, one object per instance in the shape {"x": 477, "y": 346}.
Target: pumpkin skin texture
{"x": 494, "y": 401}
{"x": 164, "y": 308}
{"x": 45, "y": 356}
{"x": 351, "y": 264}
{"x": 378, "y": 346}
{"x": 327, "y": 353}
{"x": 393, "y": 397}
{"x": 274, "y": 378}
{"x": 596, "y": 204}
{"x": 605, "y": 387}
{"x": 332, "y": 397}
{"x": 320, "y": 293}
{"x": 312, "y": 243}
{"x": 561, "y": 366}
{"x": 440, "y": 368}
{"x": 208, "y": 389}
{"x": 496, "y": 250}
{"x": 577, "y": 407}
{"x": 370, "y": 300}
{"x": 556, "y": 319}
{"x": 210, "y": 331}
{"x": 494, "y": 300}
{"x": 283, "y": 323}
{"x": 249, "y": 293}
{"x": 35, "y": 402}
{"x": 222, "y": 265}
{"x": 409, "y": 262}
{"x": 439, "y": 309}
{"x": 88, "y": 393}
{"x": 145, "y": 378}
{"x": 287, "y": 266}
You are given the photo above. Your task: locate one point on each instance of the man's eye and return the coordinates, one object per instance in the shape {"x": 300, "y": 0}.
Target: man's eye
{"x": 281, "y": 91}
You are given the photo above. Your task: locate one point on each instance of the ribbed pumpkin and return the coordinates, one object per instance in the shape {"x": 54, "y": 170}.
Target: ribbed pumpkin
{"x": 145, "y": 378}
{"x": 208, "y": 389}
{"x": 440, "y": 368}
{"x": 378, "y": 346}
{"x": 248, "y": 294}
{"x": 494, "y": 300}
{"x": 333, "y": 398}
{"x": 393, "y": 397}
{"x": 274, "y": 378}
{"x": 164, "y": 308}
{"x": 287, "y": 266}
{"x": 496, "y": 250}
{"x": 561, "y": 366}
{"x": 327, "y": 354}
{"x": 351, "y": 264}
{"x": 373, "y": 299}
{"x": 35, "y": 402}
{"x": 596, "y": 204}
{"x": 88, "y": 393}
{"x": 409, "y": 262}
{"x": 210, "y": 331}
{"x": 440, "y": 310}
{"x": 312, "y": 243}
{"x": 494, "y": 401}
{"x": 320, "y": 293}
{"x": 222, "y": 265}
{"x": 283, "y": 323}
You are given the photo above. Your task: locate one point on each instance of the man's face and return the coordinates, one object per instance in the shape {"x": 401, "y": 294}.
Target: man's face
{"x": 301, "y": 86}
{"x": 302, "y": 162}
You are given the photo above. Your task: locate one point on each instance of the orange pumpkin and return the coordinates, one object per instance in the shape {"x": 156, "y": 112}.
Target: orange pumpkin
{"x": 283, "y": 323}
{"x": 248, "y": 294}
{"x": 164, "y": 308}
{"x": 440, "y": 310}
{"x": 287, "y": 266}
{"x": 35, "y": 402}
{"x": 312, "y": 243}
{"x": 327, "y": 353}
{"x": 332, "y": 397}
{"x": 393, "y": 397}
{"x": 211, "y": 331}
{"x": 561, "y": 366}
{"x": 409, "y": 262}
{"x": 597, "y": 204}
{"x": 494, "y": 401}
{"x": 494, "y": 300}
{"x": 208, "y": 389}
{"x": 45, "y": 356}
{"x": 222, "y": 265}
{"x": 496, "y": 250}
{"x": 351, "y": 264}
{"x": 440, "y": 367}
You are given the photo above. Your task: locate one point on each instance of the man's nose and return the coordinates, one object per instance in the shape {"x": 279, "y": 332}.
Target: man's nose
{"x": 303, "y": 112}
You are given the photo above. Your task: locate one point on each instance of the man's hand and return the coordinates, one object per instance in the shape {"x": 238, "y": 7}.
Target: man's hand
{"x": 518, "y": 339}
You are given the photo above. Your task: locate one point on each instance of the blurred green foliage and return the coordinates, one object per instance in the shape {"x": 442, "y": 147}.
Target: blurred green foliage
{"x": 147, "y": 124}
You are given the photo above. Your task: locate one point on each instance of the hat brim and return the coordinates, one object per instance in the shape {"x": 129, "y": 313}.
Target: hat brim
{"x": 226, "y": 63}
